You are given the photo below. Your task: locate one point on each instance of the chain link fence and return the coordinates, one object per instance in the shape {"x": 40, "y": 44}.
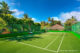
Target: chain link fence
{"x": 76, "y": 28}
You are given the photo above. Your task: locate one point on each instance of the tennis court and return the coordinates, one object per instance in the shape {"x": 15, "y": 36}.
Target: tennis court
{"x": 49, "y": 42}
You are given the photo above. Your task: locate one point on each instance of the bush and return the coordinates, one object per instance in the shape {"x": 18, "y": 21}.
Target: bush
{"x": 13, "y": 34}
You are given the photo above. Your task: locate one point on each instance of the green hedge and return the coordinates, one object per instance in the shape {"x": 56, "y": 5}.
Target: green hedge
{"x": 13, "y": 34}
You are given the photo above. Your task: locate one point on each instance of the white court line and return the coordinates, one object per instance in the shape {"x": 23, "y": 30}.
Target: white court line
{"x": 51, "y": 42}
{"x": 38, "y": 47}
{"x": 70, "y": 50}
{"x": 52, "y": 50}
{"x": 60, "y": 44}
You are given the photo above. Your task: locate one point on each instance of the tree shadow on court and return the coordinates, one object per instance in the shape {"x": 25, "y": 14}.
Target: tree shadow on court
{"x": 28, "y": 37}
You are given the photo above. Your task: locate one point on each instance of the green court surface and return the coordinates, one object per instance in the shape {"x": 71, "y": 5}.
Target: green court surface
{"x": 49, "y": 42}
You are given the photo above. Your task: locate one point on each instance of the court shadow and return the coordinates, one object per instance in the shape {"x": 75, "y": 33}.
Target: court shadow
{"x": 27, "y": 37}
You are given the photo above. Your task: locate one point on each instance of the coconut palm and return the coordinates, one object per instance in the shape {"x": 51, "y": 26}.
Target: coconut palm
{"x": 25, "y": 16}
{"x": 4, "y": 8}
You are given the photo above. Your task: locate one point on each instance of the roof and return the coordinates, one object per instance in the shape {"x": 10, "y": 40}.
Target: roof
{"x": 57, "y": 27}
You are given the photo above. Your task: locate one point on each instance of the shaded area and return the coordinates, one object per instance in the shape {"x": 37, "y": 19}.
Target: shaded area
{"x": 20, "y": 36}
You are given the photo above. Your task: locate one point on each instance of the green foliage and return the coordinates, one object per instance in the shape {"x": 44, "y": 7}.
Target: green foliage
{"x": 4, "y": 8}
{"x": 25, "y": 16}
{"x": 13, "y": 34}
{"x": 51, "y": 22}
{"x": 37, "y": 26}
{"x": 49, "y": 19}
{"x": 14, "y": 24}
{"x": 43, "y": 24}
{"x": 2, "y": 24}
{"x": 68, "y": 24}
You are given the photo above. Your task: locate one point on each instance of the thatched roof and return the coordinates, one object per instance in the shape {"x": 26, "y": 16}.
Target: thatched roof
{"x": 57, "y": 27}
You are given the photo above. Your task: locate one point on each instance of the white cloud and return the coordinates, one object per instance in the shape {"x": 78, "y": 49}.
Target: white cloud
{"x": 36, "y": 20}
{"x": 55, "y": 18}
{"x": 17, "y": 12}
{"x": 68, "y": 15}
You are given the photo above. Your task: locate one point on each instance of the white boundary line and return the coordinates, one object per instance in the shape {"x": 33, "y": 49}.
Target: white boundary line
{"x": 38, "y": 47}
{"x": 70, "y": 50}
{"x": 51, "y": 42}
{"x": 52, "y": 50}
{"x": 60, "y": 44}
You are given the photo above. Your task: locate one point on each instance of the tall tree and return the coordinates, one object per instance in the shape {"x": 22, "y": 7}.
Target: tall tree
{"x": 37, "y": 26}
{"x": 2, "y": 24}
{"x": 4, "y": 8}
{"x": 49, "y": 19}
{"x": 68, "y": 24}
{"x": 25, "y": 16}
{"x": 28, "y": 22}
{"x": 74, "y": 20}
{"x": 52, "y": 21}
{"x": 43, "y": 24}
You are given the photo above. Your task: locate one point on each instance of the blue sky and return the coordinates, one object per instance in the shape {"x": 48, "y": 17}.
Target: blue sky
{"x": 40, "y": 10}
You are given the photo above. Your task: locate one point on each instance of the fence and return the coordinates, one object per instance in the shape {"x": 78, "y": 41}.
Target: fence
{"x": 76, "y": 28}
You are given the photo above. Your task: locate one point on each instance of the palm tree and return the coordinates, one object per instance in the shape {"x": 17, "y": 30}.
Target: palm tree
{"x": 4, "y": 8}
{"x": 30, "y": 23}
{"x": 25, "y": 16}
{"x": 52, "y": 21}
{"x": 49, "y": 19}
{"x": 73, "y": 19}
{"x": 42, "y": 24}
{"x": 37, "y": 26}
{"x": 70, "y": 22}
{"x": 21, "y": 23}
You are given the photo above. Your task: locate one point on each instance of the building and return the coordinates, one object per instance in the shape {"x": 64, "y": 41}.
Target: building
{"x": 57, "y": 27}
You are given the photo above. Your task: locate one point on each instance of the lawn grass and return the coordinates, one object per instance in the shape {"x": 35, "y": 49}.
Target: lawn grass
{"x": 48, "y": 42}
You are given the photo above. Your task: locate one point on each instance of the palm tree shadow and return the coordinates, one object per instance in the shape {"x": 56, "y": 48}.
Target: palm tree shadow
{"x": 27, "y": 37}
{"x": 23, "y": 38}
